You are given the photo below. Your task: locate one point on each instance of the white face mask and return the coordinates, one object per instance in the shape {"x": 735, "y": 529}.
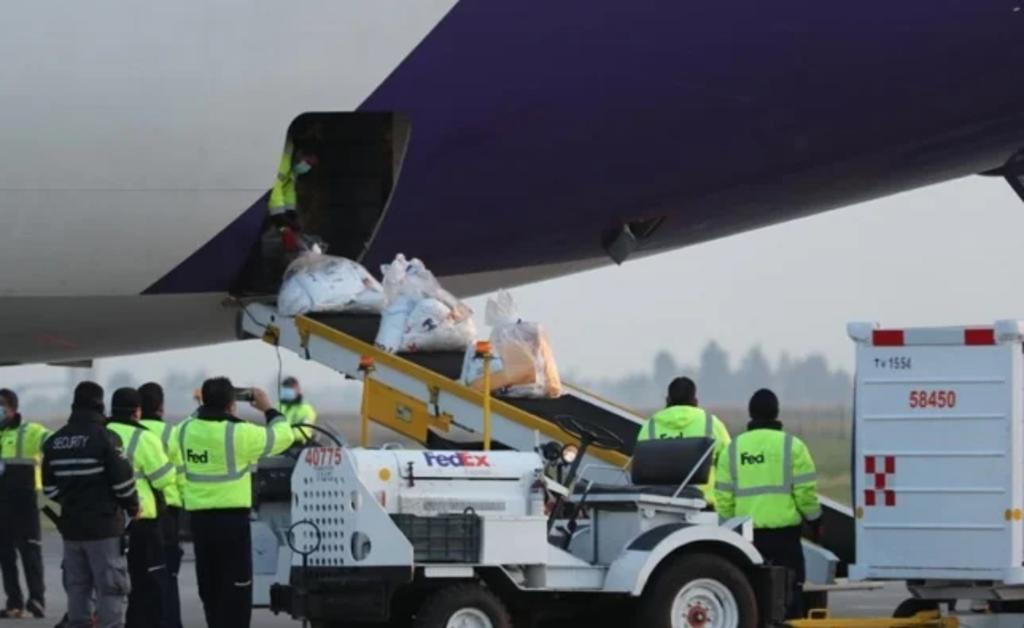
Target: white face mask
{"x": 301, "y": 168}
{"x": 289, "y": 394}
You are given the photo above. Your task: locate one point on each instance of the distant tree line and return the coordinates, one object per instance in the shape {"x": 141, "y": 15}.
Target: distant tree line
{"x": 808, "y": 381}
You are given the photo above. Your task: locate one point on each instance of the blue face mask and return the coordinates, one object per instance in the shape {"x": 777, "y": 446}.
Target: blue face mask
{"x": 301, "y": 168}
{"x": 289, "y": 394}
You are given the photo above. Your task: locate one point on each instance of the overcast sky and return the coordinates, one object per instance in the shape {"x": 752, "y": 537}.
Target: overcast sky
{"x": 947, "y": 254}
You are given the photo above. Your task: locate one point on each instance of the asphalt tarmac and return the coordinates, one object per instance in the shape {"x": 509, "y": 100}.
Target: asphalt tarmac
{"x": 879, "y": 602}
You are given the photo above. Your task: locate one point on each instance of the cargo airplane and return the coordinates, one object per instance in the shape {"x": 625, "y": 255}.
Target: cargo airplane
{"x": 503, "y": 141}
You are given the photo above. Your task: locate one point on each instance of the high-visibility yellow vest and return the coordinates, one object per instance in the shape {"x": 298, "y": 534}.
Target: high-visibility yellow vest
{"x": 690, "y": 422}
{"x": 769, "y": 476}
{"x": 154, "y": 471}
{"x": 22, "y": 446}
{"x": 168, "y": 438}
{"x": 162, "y": 429}
{"x": 297, "y": 413}
{"x": 282, "y": 195}
{"x": 219, "y": 456}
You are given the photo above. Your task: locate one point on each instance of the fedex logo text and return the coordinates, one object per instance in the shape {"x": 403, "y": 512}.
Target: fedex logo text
{"x": 457, "y": 459}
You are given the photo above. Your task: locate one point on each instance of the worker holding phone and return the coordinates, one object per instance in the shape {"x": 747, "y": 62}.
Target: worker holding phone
{"x": 219, "y": 452}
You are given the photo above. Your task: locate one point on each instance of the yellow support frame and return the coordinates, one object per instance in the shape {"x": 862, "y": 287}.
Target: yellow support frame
{"x": 431, "y": 380}
{"x": 399, "y": 412}
{"x": 926, "y": 619}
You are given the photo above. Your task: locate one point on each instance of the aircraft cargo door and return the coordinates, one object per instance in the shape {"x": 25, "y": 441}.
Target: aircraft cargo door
{"x": 335, "y": 178}
{"x": 358, "y": 155}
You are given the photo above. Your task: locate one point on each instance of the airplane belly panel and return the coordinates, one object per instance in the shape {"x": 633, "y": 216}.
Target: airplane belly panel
{"x": 45, "y": 329}
{"x": 108, "y": 242}
{"x": 540, "y": 127}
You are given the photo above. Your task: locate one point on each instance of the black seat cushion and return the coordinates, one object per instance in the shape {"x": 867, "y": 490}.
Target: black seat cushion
{"x": 663, "y": 490}
{"x": 668, "y": 461}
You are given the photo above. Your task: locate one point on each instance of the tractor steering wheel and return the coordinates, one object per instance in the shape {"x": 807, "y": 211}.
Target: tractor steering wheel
{"x": 589, "y": 433}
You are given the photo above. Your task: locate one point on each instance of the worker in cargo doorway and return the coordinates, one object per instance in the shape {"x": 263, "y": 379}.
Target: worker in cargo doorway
{"x": 769, "y": 476}
{"x": 220, "y": 451}
{"x": 683, "y": 417}
{"x": 297, "y": 410}
{"x": 156, "y": 483}
{"x": 282, "y": 238}
{"x": 21, "y": 445}
{"x": 283, "y": 203}
{"x": 152, "y": 398}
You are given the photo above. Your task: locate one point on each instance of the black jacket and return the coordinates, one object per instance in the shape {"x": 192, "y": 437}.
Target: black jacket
{"x": 86, "y": 472}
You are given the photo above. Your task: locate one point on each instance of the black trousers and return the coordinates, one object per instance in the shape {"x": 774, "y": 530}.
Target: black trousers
{"x": 223, "y": 547}
{"x": 171, "y": 617}
{"x": 147, "y": 572}
{"x": 170, "y": 525}
{"x": 782, "y": 547}
{"x": 20, "y": 536}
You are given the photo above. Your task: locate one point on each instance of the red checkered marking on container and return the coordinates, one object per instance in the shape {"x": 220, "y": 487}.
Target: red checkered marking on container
{"x": 878, "y": 472}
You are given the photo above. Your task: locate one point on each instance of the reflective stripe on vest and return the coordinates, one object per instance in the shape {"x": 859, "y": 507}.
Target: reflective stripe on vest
{"x": 165, "y": 438}
{"x": 19, "y": 449}
{"x": 271, "y": 437}
{"x": 709, "y": 426}
{"x": 234, "y": 473}
{"x": 129, "y": 452}
{"x": 788, "y": 480}
{"x": 133, "y": 445}
{"x": 161, "y": 472}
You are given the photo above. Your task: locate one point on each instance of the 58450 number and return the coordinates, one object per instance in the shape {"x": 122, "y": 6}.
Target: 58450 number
{"x": 932, "y": 399}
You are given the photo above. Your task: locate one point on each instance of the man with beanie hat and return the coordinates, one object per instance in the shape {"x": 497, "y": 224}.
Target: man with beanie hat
{"x": 21, "y": 445}
{"x": 86, "y": 472}
{"x": 152, "y": 395}
{"x": 156, "y": 482}
{"x": 769, "y": 476}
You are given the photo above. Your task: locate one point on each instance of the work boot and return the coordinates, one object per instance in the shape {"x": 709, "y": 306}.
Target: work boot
{"x": 37, "y": 608}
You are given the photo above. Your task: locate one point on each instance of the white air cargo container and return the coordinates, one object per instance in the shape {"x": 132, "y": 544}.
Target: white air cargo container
{"x": 938, "y": 461}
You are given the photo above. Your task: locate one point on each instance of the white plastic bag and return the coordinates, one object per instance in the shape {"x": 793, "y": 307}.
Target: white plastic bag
{"x": 392, "y": 324}
{"x": 432, "y": 326}
{"x": 323, "y": 283}
{"x": 412, "y": 279}
{"x": 430, "y": 317}
{"x": 523, "y": 364}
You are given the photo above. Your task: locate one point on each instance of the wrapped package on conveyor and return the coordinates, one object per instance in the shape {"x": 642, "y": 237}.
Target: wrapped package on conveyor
{"x": 325, "y": 283}
{"x": 419, "y": 314}
{"x": 523, "y": 364}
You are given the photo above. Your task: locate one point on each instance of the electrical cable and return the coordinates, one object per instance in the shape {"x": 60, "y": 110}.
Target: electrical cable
{"x": 290, "y": 539}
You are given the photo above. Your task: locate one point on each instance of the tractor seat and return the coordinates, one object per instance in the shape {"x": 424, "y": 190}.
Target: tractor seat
{"x": 659, "y": 467}
{"x": 609, "y": 490}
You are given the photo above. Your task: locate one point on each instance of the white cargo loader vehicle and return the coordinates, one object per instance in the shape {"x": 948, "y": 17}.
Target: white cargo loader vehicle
{"x": 440, "y": 539}
{"x": 420, "y": 396}
{"x": 939, "y": 467}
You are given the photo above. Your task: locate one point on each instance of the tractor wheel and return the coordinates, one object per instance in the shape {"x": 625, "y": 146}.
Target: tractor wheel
{"x": 463, "y": 606}
{"x": 699, "y": 591}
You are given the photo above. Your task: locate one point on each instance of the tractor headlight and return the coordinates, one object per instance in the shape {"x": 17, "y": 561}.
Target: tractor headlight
{"x": 569, "y": 453}
{"x": 551, "y": 451}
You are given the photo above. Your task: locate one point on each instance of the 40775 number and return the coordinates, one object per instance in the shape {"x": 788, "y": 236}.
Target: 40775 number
{"x": 932, "y": 399}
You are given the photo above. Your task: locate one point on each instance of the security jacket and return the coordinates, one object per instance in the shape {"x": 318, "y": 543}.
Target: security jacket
{"x": 85, "y": 471}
